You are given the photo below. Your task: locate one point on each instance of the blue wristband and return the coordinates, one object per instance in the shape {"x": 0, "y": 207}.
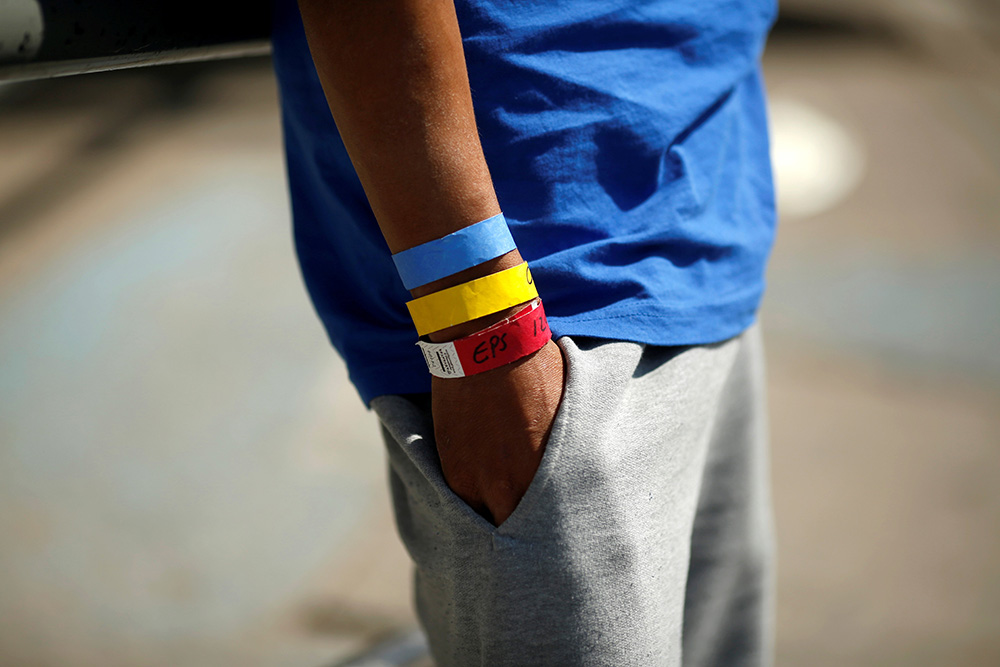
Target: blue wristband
{"x": 455, "y": 252}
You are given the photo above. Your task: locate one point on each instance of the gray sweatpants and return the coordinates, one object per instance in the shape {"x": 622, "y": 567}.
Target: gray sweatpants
{"x": 644, "y": 539}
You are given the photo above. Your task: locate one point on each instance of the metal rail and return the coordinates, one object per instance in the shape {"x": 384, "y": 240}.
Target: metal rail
{"x": 49, "y": 38}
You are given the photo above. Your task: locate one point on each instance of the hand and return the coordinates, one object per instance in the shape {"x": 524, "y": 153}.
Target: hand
{"x": 492, "y": 428}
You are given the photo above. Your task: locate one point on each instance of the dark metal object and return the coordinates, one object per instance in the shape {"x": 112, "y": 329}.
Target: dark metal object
{"x": 46, "y": 38}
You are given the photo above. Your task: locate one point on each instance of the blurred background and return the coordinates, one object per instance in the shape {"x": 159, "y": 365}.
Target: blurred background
{"x": 187, "y": 478}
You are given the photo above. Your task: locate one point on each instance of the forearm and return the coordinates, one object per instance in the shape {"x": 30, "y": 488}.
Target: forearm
{"x": 394, "y": 75}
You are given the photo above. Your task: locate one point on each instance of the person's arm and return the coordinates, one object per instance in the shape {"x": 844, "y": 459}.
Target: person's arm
{"x": 395, "y": 78}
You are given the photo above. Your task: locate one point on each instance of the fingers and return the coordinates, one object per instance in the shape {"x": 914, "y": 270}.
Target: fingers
{"x": 495, "y": 499}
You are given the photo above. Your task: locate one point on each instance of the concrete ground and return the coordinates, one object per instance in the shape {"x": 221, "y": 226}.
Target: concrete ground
{"x": 187, "y": 478}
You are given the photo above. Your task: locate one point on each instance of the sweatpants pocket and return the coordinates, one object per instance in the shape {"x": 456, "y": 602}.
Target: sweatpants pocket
{"x": 416, "y": 469}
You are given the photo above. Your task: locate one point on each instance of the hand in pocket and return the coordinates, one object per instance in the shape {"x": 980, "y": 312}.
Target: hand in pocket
{"x": 491, "y": 429}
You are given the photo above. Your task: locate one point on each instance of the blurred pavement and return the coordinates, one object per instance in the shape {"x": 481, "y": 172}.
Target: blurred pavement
{"x": 882, "y": 319}
{"x": 187, "y": 478}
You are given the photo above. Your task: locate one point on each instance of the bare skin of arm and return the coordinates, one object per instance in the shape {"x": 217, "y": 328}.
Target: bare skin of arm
{"x": 395, "y": 78}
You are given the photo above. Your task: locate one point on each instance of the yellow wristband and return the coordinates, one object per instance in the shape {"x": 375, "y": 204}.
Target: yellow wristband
{"x": 476, "y": 298}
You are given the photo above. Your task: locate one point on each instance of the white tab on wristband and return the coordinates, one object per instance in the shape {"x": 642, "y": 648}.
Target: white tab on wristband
{"x": 442, "y": 360}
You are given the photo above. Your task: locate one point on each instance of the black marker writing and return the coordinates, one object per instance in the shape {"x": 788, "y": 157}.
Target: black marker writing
{"x": 487, "y": 350}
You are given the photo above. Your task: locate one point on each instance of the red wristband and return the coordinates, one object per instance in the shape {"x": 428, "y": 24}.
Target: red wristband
{"x": 519, "y": 335}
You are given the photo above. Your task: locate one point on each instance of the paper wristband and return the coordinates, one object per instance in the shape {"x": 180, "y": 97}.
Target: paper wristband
{"x": 476, "y": 298}
{"x": 455, "y": 252}
{"x": 505, "y": 342}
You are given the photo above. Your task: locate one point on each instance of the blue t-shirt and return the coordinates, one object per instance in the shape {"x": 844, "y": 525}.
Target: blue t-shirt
{"x": 628, "y": 146}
